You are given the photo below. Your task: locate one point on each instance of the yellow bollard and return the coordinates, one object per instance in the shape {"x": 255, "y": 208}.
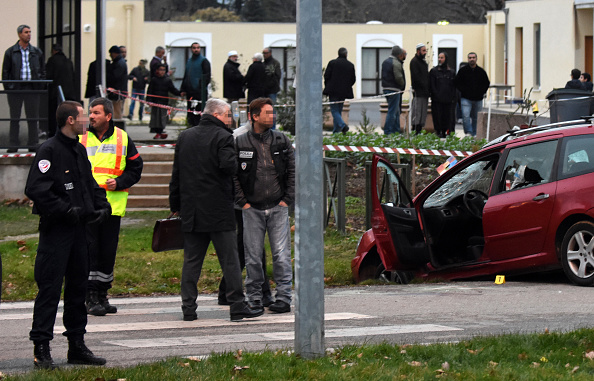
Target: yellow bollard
{"x": 500, "y": 279}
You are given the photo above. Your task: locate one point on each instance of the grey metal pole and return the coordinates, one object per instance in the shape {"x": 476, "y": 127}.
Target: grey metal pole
{"x": 100, "y": 41}
{"x": 309, "y": 238}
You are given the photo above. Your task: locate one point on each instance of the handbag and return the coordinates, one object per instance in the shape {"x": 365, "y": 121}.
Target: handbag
{"x": 167, "y": 235}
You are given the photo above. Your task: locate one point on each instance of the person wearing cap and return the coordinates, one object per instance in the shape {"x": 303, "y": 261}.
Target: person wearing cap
{"x": 60, "y": 69}
{"x": 116, "y": 75}
{"x": 140, "y": 78}
{"x": 232, "y": 78}
{"x": 419, "y": 76}
{"x": 255, "y": 78}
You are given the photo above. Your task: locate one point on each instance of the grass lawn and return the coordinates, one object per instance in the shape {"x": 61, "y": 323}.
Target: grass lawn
{"x": 565, "y": 356}
{"x": 138, "y": 270}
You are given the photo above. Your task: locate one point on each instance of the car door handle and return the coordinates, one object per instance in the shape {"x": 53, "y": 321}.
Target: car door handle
{"x": 542, "y": 196}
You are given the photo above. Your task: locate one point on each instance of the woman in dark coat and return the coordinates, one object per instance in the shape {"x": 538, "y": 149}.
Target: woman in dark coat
{"x": 255, "y": 78}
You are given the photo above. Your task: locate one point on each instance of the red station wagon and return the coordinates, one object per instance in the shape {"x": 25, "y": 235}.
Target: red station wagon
{"x": 523, "y": 203}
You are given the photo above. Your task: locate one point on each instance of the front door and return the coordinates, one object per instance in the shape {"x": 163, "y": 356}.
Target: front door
{"x": 394, "y": 220}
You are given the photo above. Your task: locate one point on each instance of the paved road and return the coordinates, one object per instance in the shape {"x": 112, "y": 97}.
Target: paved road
{"x": 148, "y": 329}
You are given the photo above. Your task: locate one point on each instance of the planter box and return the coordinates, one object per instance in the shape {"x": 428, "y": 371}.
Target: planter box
{"x": 329, "y": 122}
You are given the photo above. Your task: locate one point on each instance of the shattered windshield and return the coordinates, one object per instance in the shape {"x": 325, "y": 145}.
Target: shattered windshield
{"x": 477, "y": 175}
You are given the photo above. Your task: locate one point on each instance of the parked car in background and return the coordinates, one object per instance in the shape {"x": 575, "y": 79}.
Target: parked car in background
{"x": 523, "y": 203}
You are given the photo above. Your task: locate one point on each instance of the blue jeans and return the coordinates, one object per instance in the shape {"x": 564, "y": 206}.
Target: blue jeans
{"x": 256, "y": 223}
{"x": 140, "y": 96}
{"x": 393, "y": 118}
{"x": 470, "y": 110}
{"x": 273, "y": 97}
{"x": 336, "y": 111}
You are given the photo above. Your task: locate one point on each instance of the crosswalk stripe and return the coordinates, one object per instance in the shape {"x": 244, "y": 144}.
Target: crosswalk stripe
{"x": 124, "y": 312}
{"x": 208, "y": 323}
{"x": 279, "y": 336}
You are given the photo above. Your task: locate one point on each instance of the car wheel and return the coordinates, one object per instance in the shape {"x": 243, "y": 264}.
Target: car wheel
{"x": 577, "y": 253}
{"x": 400, "y": 277}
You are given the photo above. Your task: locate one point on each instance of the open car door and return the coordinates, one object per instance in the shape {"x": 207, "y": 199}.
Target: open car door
{"x": 394, "y": 220}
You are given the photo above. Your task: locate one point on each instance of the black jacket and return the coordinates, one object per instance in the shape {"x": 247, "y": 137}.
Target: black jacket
{"x": 116, "y": 76}
{"x": 472, "y": 83}
{"x": 61, "y": 70}
{"x": 273, "y": 75}
{"x": 575, "y": 84}
{"x": 60, "y": 178}
{"x": 232, "y": 81}
{"x": 441, "y": 81}
{"x": 419, "y": 76}
{"x": 92, "y": 80}
{"x": 390, "y": 67}
{"x": 201, "y": 186}
{"x": 266, "y": 169}
{"x": 161, "y": 86}
{"x": 339, "y": 79}
{"x": 11, "y": 66}
{"x": 142, "y": 78}
{"x": 254, "y": 80}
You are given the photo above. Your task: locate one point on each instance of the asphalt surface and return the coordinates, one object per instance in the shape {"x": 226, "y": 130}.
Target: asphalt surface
{"x": 151, "y": 328}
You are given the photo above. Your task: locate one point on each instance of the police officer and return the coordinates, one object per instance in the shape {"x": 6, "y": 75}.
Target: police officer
{"x": 116, "y": 167}
{"x": 66, "y": 197}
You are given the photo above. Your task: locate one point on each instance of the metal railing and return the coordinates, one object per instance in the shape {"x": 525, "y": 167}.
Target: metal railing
{"x": 32, "y": 96}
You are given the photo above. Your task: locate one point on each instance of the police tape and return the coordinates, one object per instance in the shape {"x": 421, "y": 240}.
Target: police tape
{"x": 332, "y": 148}
{"x": 152, "y": 104}
{"x": 357, "y": 149}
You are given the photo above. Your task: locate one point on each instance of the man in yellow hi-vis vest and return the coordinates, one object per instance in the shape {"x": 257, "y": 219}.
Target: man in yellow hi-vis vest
{"x": 116, "y": 167}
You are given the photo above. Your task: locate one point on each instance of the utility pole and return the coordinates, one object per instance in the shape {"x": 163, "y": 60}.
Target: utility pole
{"x": 309, "y": 234}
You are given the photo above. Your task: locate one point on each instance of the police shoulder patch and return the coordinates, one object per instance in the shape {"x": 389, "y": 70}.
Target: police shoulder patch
{"x": 44, "y": 165}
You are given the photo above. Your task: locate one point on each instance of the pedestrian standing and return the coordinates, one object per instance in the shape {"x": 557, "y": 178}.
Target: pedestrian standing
{"x": 61, "y": 71}
{"x": 393, "y": 84}
{"x": 159, "y": 90}
{"x": 232, "y": 78}
{"x": 140, "y": 78}
{"x": 473, "y": 83}
{"x": 66, "y": 197}
{"x": 339, "y": 79}
{"x": 201, "y": 192}
{"x": 443, "y": 96}
{"x": 255, "y": 78}
{"x": 195, "y": 84}
{"x": 116, "y": 77}
{"x": 265, "y": 188}
{"x": 117, "y": 166}
{"x": 419, "y": 77}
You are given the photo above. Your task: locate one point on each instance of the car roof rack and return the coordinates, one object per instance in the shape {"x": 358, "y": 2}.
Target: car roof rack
{"x": 516, "y": 132}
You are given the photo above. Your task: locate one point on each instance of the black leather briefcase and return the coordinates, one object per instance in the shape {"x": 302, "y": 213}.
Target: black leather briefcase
{"x": 167, "y": 235}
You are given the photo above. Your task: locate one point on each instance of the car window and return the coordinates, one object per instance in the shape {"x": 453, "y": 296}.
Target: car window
{"x": 477, "y": 175}
{"x": 577, "y": 156}
{"x": 528, "y": 165}
{"x": 389, "y": 188}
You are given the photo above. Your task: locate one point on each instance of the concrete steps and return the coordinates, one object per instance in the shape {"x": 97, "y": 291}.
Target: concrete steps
{"x": 152, "y": 191}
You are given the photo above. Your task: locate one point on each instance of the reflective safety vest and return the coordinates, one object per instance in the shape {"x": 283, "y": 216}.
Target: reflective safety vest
{"x": 108, "y": 159}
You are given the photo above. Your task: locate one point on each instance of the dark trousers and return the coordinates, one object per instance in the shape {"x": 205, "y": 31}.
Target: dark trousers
{"x": 62, "y": 254}
{"x": 442, "y": 118}
{"x": 194, "y": 119}
{"x": 15, "y": 104}
{"x": 195, "y": 246}
{"x": 241, "y": 253}
{"x": 103, "y": 245}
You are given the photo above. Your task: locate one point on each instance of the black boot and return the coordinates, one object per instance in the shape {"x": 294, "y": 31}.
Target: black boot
{"x": 43, "y": 358}
{"x": 78, "y": 353}
{"x": 105, "y": 303}
{"x": 241, "y": 310}
{"x": 94, "y": 307}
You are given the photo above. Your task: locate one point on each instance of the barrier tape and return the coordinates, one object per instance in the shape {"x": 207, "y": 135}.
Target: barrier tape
{"x": 152, "y": 104}
{"x": 333, "y": 148}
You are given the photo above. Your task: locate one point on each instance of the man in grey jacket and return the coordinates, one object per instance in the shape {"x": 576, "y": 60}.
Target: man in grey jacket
{"x": 393, "y": 83}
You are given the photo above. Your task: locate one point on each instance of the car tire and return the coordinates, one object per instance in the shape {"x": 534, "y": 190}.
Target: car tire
{"x": 400, "y": 277}
{"x": 577, "y": 253}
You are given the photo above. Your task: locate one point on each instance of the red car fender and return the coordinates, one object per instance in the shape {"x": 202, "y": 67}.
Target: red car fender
{"x": 365, "y": 245}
